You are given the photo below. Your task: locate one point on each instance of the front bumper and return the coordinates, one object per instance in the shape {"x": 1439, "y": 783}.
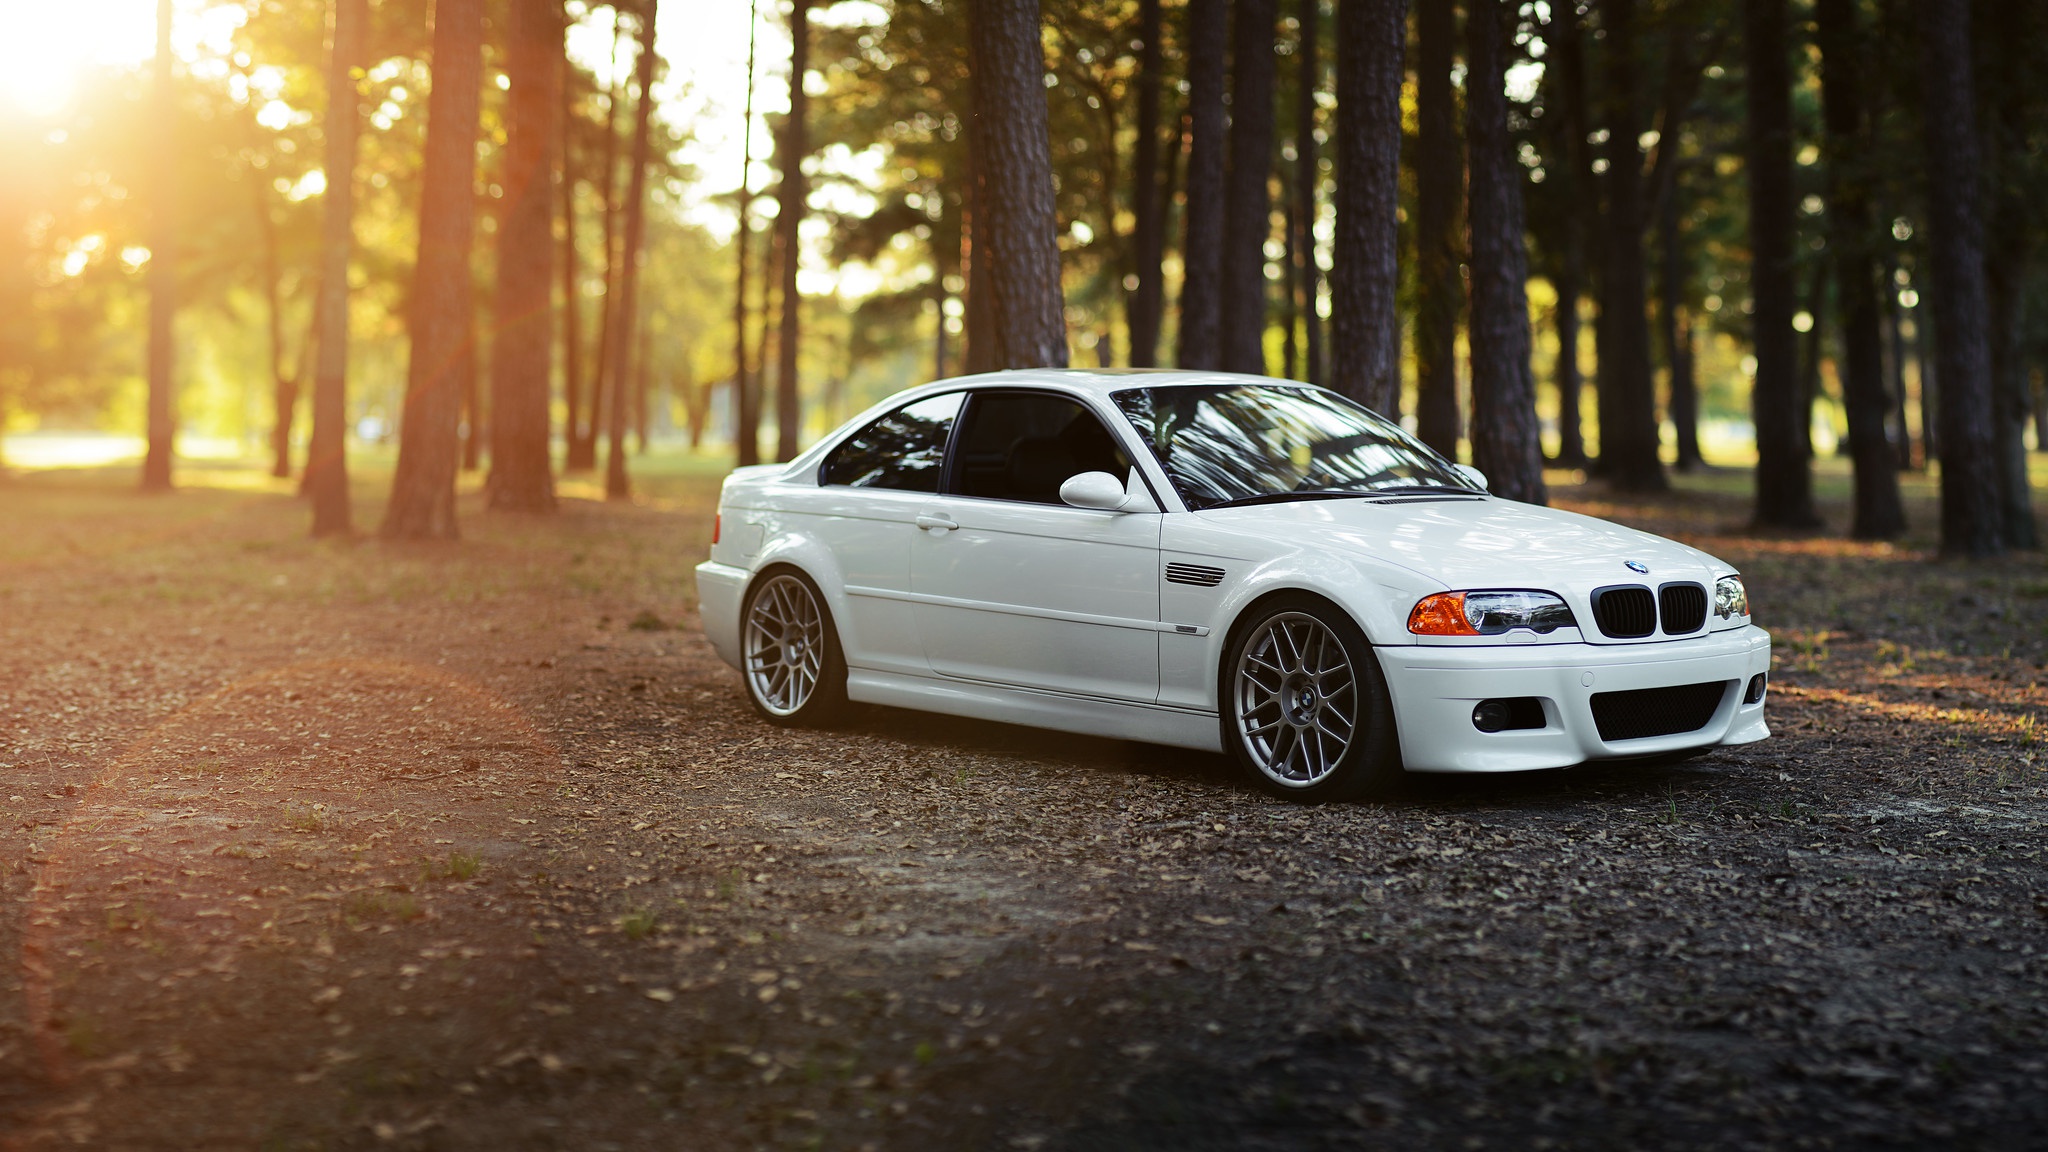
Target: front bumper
{"x": 1435, "y": 689}
{"x": 719, "y": 588}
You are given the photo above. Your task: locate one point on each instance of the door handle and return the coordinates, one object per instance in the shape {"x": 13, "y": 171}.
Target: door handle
{"x": 936, "y": 521}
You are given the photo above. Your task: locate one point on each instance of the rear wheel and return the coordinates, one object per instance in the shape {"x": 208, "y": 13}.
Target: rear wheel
{"x": 790, "y": 658}
{"x": 1305, "y": 707}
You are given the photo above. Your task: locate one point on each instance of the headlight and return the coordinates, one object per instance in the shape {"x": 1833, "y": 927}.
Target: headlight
{"x": 1730, "y": 598}
{"x": 1489, "y": 613}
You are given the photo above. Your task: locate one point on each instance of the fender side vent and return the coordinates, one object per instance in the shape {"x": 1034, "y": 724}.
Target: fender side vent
{"x": 1196, "y": 574}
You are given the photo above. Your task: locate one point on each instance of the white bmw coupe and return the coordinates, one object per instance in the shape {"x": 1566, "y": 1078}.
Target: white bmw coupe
{"x": 1227, "y": 563}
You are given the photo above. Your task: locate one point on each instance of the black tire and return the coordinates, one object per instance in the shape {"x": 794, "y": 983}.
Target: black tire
{"x": 791, "y": 665}
{"x": 1303, "y": 704}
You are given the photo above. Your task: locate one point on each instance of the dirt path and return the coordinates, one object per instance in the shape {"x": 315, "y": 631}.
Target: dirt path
{"x": 314, "y": 847}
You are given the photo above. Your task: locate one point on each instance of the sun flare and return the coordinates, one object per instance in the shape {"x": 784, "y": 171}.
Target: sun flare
{"x": 53, "y": 46}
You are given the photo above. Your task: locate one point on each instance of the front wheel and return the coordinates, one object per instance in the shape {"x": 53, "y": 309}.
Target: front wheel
{"x": 1305, "y": 709}
{"x": 789, "y": 651}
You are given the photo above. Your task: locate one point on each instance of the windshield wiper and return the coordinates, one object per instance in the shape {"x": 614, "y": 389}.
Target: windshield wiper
{"x": 1422, "y": 490}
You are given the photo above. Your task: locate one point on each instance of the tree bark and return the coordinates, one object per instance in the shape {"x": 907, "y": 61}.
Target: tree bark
{"x": 620, "y": 327}
{"x": 1203, "y": 215}
{"x": 746, "y": 403}
{"x": 2008, "y": 64}
{"x": 572, "y": 276}
{"x": 1306, "y": 176}
{"x": 1626, "y": 393}
{"x": 1878, "y": 513}
{"x": 795, "y": 146}
{"x": 1566, "y": 54}
{"x": 1784, "y": 484}
{"x": 1676, "y": 329}
{"x": 1365, "y": 331}
{"x": 1505, "y": 441}
{"x": 1439, "y": 247}
{"x": 163, "y": 276}
{"x": 422, "y": 505}
{"x": 1017, "y": 229}
{"x": 1144, "y": 307}
{"x": 1971, "y": 509}
{"x": 522, "y": 477}
{"x": 583, "y": 441}
{"x": 284, "y": 391}
{"x": 326, "y": 477}
{"x": 1248, "y": 205}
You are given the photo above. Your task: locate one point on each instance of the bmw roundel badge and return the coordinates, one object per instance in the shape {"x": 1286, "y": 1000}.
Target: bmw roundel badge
{"x": 1637, "y": 566}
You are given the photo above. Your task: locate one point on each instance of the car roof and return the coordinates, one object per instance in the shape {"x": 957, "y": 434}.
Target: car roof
{"x": 1099, "y": 381}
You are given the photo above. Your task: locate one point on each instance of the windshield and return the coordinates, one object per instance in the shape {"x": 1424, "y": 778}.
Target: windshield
{"x": 1239, "y": 443}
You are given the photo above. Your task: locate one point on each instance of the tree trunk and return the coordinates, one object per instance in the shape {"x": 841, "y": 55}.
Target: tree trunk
{"x": 1290, "y": 302}
{"x": 1878, "y": 513}
{"x": 443, "y": 356}
{"x": 472, "y": 425}
{"x": 1248, "y": 205}
{"x": 583, "y": 441}
{"x": 522, "y": 476}
{"x": 2008, "y": 71}
{"x": 1676, "y": 330}
{"x": 1971, "y": 508}
{"x": 1784, "y": 484}
{"x": 572, "y": 277}
{"x": 1505, "y": 441}
{"x": 795, "y": 145}
{"x": 620, "y": 327}
{"x": 1144, "y": 308}
{"x": 1365, "y": 331}
{"x": 746, "y": 429}
{"x": 1306, "y": 177}
{"x": 284, "y": 392}
{"x": 1812, "y": 345}
{"x": 1203, "y": 216}
{"x": 1894, "y": 362}
{"x": 1626, "y": 392}
{"x": 1439, "y": 247}
{"x": 1017, "y": 230}
{"x": 163, "y": 277}
{"x": 1566, "y": 53}
{"x": 326, "y": 477}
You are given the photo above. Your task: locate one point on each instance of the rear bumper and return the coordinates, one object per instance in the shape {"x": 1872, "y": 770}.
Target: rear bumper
{"x": 1436, "y": 688}
{"x": 719, "y": 588}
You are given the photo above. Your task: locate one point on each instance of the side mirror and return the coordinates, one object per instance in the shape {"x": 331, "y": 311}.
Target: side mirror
{"x": 1474, "y": 475}
{"x": 1097, "y": 490}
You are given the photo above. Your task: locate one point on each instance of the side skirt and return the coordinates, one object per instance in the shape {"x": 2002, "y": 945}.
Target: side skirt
{"x": 1087, "y": 716}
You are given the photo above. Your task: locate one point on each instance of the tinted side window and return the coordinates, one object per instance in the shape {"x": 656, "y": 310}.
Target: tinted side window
{"x": 1024, "y": 445}
{"x": 904, "y": 450}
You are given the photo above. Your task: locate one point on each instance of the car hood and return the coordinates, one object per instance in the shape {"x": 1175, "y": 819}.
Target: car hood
{"x": 1479, "y": 543}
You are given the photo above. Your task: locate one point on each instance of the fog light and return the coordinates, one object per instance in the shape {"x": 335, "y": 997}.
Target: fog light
{"x": 1490, "y": 715}
{"x": 1755, "y": 691}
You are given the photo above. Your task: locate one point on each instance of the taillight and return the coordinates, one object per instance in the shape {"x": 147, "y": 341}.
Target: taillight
{"x": 717, "y": 522}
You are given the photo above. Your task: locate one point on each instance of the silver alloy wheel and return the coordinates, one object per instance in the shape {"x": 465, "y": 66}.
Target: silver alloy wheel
{"x": 1296, "y": 699}
{"x": 784, "y": 645}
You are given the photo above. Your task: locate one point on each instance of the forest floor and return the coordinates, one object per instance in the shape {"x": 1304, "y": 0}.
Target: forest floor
{"x": 316, "y": 845}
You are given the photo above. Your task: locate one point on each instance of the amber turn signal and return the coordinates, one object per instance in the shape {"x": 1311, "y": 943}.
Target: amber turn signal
{"x": 717, "y": 523}
{"x": 1441, "y": 615}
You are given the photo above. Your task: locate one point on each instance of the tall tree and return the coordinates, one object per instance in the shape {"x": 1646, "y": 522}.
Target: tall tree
{"x": 1144, "y": 308}
{"x": 1365, "y": 332}
{"x": 1306, "y": 175}
{"x": 285, "y": 378}
{"x": 1439, "y": 252}
{"x": 583, "y": 442}
{"x": 1626, "y": 395}
{"x": 326, "y": 478}
{"x": 1248, "y": 205}
{"x": 163, "y": 276}
{"x": 1784, "y": 483}
{"x": 572, "y": 277}
{"x": 795, "y": 146}
{"x": 1016, "y": 229}
{"x": 1676, "y": 326}
{"x": 1972, "y": 520}
{"x": 522, "y": 477}
{"x": 2009, "y": 56}
{"x": 1505, "y": 443}
{"x": 1574, "y": 187}
{"x": 1852, "y": 232}
{"x": 443, "y": 357}
{"x": 1202, "y": 216}
{"x": 746, "y": 401}
{"x": 620, "y": 329}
